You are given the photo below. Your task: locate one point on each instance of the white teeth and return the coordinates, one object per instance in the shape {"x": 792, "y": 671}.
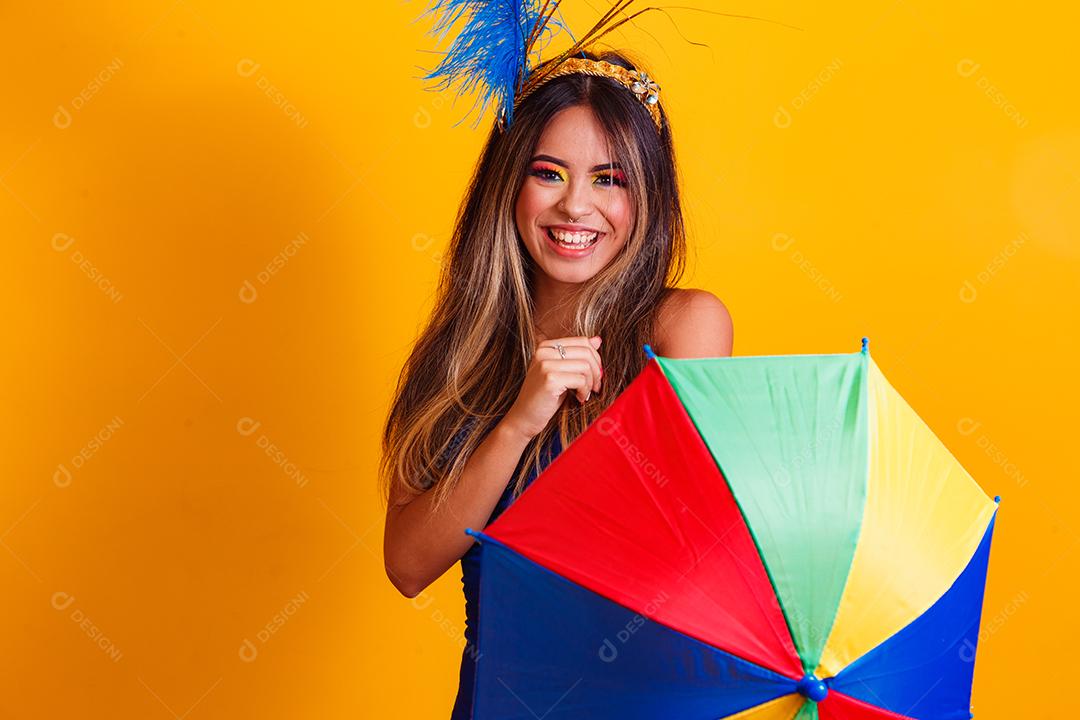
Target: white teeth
{"x": 573, "y": 238}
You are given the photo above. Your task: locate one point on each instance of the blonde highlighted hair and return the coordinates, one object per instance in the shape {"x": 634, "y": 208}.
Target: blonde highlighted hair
{"x": 467, "y": 366}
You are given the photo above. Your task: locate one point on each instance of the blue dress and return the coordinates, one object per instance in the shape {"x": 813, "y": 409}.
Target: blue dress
{"x": 470, "y": 582}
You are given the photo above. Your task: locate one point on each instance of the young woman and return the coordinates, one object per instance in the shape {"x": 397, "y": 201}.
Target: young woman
{"x": 561, "y": 266}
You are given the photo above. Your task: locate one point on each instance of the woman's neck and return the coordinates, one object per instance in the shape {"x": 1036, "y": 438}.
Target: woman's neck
{"x": 552, "y": 313}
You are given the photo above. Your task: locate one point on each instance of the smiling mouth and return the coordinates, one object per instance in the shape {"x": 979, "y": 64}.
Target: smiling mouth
{"x": 572, "y": 240}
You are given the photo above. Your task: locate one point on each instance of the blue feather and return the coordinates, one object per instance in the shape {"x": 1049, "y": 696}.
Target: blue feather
{"x": 489, "y": 55}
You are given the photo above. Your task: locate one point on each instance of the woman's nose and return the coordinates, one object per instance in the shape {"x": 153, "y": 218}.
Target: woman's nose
{"x": 575, "y": 202}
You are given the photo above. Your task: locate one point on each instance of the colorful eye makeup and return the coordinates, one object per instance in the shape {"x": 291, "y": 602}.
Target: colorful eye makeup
{"x": 610, "y": 178}
{"x": 553, "y": 173}
{"x": 547, "y": 172}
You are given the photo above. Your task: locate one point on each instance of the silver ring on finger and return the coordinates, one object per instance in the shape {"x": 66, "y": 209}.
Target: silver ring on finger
{"x": 561, "y": 349}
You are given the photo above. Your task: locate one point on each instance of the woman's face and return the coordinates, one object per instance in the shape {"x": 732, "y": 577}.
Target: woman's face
{"x": 573, "y": 211}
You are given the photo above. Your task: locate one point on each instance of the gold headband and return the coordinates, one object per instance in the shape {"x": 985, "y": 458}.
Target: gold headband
{"x": 637, "y": 82}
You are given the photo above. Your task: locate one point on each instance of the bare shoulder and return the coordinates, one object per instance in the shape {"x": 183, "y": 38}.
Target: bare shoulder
{"x": 693, "y": 323}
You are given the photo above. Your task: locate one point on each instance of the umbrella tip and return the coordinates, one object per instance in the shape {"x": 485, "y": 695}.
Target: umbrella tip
{"x": 649, "y": 352}
{"x": 865, "y": 345}
{"x": 470, "y": 531}
{"x": 997, "y": 498}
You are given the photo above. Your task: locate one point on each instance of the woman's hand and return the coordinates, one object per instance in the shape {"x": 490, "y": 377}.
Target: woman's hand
{"x": 550, "y": 376}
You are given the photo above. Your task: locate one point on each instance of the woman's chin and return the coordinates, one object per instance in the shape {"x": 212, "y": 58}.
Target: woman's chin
{"x": 574, "y": 274}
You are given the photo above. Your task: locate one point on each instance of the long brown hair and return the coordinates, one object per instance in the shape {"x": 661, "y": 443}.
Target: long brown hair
{"x": 468, "y": 364}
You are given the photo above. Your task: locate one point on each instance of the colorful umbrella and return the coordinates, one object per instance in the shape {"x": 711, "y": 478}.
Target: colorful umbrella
{"x": 745, "y": 537}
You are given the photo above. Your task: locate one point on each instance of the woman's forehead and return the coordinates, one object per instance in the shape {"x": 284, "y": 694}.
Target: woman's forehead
{"x": 575, "y": 136}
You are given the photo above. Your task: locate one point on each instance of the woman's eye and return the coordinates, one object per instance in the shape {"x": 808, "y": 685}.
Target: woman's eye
{"x": 609, "y": 180}
{"x": 546, "y": 174}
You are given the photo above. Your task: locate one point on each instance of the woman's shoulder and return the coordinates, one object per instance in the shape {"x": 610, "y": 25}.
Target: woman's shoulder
{"x": 693, "y": 323}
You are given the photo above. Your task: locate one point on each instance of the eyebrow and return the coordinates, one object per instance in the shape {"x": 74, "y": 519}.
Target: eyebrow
{"x": 594, "y": 168}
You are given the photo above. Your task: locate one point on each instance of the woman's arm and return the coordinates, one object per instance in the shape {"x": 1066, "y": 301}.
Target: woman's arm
{"x": 419, "y": 545}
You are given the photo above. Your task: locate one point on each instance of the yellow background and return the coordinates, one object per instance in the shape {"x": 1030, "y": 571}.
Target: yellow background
{"x": 223, "y": 226}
